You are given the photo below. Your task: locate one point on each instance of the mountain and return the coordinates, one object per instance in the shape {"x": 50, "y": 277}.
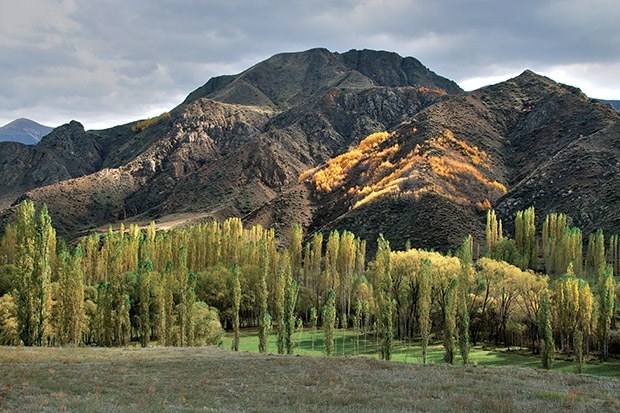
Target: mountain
{"x": 23, "y": 131}
{"x": 233, "y": 145}
{"x": 525, "y": 142}
{"x": 367, "y": 141}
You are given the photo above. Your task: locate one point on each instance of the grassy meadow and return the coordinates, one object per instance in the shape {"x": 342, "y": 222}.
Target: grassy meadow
{"x": 217, "y": 379}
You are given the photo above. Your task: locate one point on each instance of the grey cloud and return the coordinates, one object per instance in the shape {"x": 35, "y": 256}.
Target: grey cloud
{"x": 102, "y": 60}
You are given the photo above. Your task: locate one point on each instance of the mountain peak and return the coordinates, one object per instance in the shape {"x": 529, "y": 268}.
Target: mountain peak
{"x": 23, "y": 130}
{"x": 287, "y": 78}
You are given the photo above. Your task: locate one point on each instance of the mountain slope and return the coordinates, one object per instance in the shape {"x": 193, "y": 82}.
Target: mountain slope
{"x": 23, "y": 131}
{"x": 525, "y": 142}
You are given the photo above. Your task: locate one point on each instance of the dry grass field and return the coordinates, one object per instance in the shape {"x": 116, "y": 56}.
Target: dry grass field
{"x": 215, "y": 380}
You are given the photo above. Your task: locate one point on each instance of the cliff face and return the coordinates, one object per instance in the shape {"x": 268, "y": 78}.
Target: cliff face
{"x": 365, "y": 141}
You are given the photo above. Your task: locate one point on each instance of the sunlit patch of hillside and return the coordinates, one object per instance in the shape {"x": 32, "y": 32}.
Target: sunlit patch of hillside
{"x": 444, "y": 165}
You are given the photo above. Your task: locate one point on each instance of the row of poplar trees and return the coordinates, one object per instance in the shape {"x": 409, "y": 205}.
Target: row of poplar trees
{"x": 179, "y": 287}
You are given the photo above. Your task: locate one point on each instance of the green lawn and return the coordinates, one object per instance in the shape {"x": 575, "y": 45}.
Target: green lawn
{"x": 349, "y": 344}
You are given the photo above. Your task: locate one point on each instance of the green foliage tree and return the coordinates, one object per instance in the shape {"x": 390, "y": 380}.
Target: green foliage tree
{"x": 606, "y": 308}
{"x": 613, "y": 254}
{"x": 449, "y": 341}
{"x": 595, "y": 256}
{"x": 383, "y": 296}
{"x": 329, "y": 321}
{"x": 525, "y": 239}
{"x": 71, "y": 298}
{"x": 236, "y": 300}
{"x": 465, "y": 254}
{"x": 33, "y": 250}
{"x": 493, "y": 233}
{"x": 263, "y": 294}
{"x": 278, "y": 299}
{"x": 424, "y": 305}
{"x": 544, "y": 321}
{"x": 290, "y": 300}
{"x": 144, "y": 304}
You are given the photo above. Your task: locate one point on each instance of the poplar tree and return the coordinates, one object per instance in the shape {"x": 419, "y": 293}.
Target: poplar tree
{"x": 291, "y": 290}
{"x": 606, "y": 308}
{"x": 144, "y": 302}
{"x": 331, "y": 262}
{"x": 264, "y": 319}
{"x": 493, "y": 232}
{"x": 465, "y": 255}
{"x": 71, "y": 298}
{"x": 104, "y": 323}
{"x": 544, "y": 322}
{"x": 449, "y": 341}
{"x": 236, "y": 301}
{"x": 329, "y": 321}
{"x": 595, "y": 256}
{"x": 186, "y": 287}
{"x": 383, "y": 294}
{"x": 29, "y": 284}
{"x": 424, "y": 304}
{"x": 282, "y": 277}
{"x": 316, "y": 273}
{"x": 46, "y": 253}
{"x": 295, "y": 249}
{"x": 346, "y": 269}
{"x": 613, "y": 254}
{"x": 525, "y": 239}
{"x": 166, "y": 305}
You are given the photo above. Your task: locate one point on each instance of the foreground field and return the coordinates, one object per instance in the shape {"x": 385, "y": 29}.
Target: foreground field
{"x": 212, "y": 379}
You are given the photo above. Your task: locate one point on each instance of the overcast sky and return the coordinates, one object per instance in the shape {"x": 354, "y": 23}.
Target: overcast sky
{"x": 106, "y": 62}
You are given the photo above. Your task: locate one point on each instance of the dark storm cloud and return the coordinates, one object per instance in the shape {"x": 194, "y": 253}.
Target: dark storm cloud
{"x": 111, "y": 61}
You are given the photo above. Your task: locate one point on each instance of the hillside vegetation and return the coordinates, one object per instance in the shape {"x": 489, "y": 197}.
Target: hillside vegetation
{"x": 179, "y": 287}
